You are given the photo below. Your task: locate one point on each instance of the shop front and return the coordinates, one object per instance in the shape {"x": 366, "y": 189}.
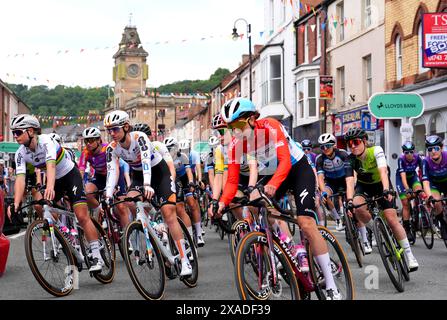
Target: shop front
{"x": 361, "y": 118}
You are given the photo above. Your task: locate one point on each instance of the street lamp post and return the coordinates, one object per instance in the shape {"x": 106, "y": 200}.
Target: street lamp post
{"x": 235, "y": 37}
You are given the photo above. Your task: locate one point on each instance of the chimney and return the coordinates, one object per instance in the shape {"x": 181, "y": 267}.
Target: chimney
{"x": 258, "y": 48}
{"x": 245, "y": 58}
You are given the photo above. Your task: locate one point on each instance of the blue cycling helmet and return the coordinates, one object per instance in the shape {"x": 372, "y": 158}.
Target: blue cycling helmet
{"x": 408, "y": 146}
{"x": 306, "y": 143}
{"x": 237, "y": 108}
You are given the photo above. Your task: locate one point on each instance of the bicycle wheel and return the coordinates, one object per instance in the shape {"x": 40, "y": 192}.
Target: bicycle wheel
{"x": 108, "y": 254}
{"x": 339, "y": 266}
{"x": 354, "y": 241}
{"x": 146, "y": 272}
{"x": 254, "y": 270}
{"x": 428, "y": 229}
{"x": 191, "y": 253}
{"x": 388, "y": 255}
{"x": 54, "y": 271}
{"x": 241, "y": 228}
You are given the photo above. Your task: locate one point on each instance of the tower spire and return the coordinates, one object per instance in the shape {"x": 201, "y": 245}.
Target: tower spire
{"x": 130, "y": 20}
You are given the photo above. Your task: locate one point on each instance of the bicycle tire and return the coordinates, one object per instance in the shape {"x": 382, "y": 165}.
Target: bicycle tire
{"x": 427, "y": 229}
{"x": 158, "y": 293}
{"x": 387, "y": 255}
{"x": 245, "y": 291}
{"x": 241, "y": 228}
{"x": 53, "y": 289}
{"x": 353, "y": 241}
{"x": 348, "y": 290}
{"x": 190, "y": 281}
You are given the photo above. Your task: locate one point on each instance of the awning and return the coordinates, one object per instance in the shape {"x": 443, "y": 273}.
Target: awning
{"x": 201, "y": 147}
{"x": 9, "y": 147}
{"x": 277, "y": 111}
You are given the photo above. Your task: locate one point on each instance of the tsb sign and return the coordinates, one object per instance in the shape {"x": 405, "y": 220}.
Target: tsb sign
{"x": 434, "y": 45}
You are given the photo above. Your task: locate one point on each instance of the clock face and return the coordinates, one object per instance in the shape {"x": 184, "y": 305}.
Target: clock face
{"x": 133, "y": 70}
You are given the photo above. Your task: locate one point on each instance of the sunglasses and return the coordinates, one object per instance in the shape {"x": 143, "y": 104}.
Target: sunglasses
{"x": 113, "y": 129}
{"x": 238, "y": 124}
{"x": 435, "y": 149}
{"x": 409, "y": 152}
{"x": 354, "y": 142}
{"x": 307, "y": 149}
{"x": 326, "y": 146}
{"x": 89, "y": 140}
{"x": 18, "y": 132}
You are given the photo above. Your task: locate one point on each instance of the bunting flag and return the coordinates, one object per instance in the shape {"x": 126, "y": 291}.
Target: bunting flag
{"x": 312, "y": 27}
{"x": 323, "y": 26}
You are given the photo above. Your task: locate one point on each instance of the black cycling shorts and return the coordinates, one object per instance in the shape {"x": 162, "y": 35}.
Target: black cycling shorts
{"x": 71, "y": 185}
{"x": 161, "y": 181}
{"x": 336, "y": 185}
{"x": 374, "y": 190}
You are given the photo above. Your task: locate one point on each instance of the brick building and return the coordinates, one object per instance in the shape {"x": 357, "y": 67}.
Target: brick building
{"x": 405, "y": 72}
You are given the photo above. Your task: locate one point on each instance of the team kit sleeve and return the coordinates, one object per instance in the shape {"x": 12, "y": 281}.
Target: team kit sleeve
{"x": 349, "y": 165}
{"x": 379, "y": 154}
{"x": 319, "y": 164}
{"x": 146, "y": 150}
{"x": 50, "y": 147}
{"x": 400, "y": 165}
{"x": 82, "y": 164}
{"x": 234, "y": 167}
{"x": 20, "y": 162}
{"x": 425, "y": 168}
{"x": 112, "y": 169}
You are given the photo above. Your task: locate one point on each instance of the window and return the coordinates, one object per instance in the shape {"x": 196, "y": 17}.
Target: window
{"x": 398, "y": 48}
{"x": 341, "y": 21}
{"x": 367, "y": 76}
{"x": 318, "y": 37}
{"x": 307, "y": 100}
{"x": 264, "y": 84}
{"x": 275, "y": 78}
{"x": 420, "y": 50}
{"x": 341, "y": 81}
{"x": 253, "y": 81}
{"x": 367, "y": 12}
{"x": 300, "y": 96}
{"x": 311, "y": 97}
{"x": 306, "y": 44}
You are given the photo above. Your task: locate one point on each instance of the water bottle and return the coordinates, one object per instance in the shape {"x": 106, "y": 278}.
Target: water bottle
{"x": 301, "y": 254}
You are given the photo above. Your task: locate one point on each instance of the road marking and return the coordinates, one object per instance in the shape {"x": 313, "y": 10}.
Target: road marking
{"x": 17, "y": 235}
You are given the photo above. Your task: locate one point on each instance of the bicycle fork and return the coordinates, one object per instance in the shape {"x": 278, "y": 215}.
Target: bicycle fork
{"x": 145, "y": 221}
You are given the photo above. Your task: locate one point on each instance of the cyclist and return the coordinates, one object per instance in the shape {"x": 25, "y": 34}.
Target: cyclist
{"x": 372, "y": 181}
{"x": 149, "y": 170}
{"x": 94, "y": 154}
{"x": 63, "y": 176}
{"x": 307, "y": 147}
{"x": 434, "y": 177}
{"x": 213, "y": 143}
{"x": 285, "y": 166}
{"x": 407, "y": 180}
{"x": 194, "y": 164}
{"x": 330, "y": 166}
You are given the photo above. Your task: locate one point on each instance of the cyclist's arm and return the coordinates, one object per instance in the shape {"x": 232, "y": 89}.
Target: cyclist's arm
{"x": 146, "y": 151}
{"x": 253, "y": 177}
{"x": 425, "y": 178}
{"x": 320, "y": 172}
{"x": 112, "y": 169}
{"x": 350, "y": 178}
{"x": 211, "y": 176}
{"x": 382, "y": 166}
{"x": 217, "y": 186}
{"x": 82, "y": 163}
{"x": 19, "y": 187}
{"x": 283, "y": 155}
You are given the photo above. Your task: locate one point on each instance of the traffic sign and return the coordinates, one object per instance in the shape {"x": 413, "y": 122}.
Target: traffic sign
{"x": 396, "y": 105}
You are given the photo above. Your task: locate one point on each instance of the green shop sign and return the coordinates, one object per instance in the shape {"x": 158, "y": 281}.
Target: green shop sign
{"x": 396, "y": 105}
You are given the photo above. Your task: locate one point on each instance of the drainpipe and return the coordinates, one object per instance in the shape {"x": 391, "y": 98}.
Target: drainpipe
{"x": 284, "y": 91}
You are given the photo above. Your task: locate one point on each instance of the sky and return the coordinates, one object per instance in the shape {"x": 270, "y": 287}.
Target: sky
{"x": 35, "y": 37}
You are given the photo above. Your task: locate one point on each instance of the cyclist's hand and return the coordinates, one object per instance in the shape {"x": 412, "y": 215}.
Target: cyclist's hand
{"x": 49, "y": 194}
{"x": 191, "y": 186}
{"x": 148, "y": 192}
{"x": 212, "y": 210}
{"x": 220, "y": 209}
{"x": 269, "y": 190}
{"x": 201, "y": 185}
{"x": 350, "y": 207}
{"x": 324, "y": 196}
{"x": 108, "y": 201}
{"x": 388, "y": 195}
{"x": 429, "y": 202}
{"x": 11, "y": 211}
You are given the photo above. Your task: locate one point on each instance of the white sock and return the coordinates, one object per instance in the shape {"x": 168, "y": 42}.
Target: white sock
{"x": 94, "y": 246}
{"x": 404, "y": 244}
{"x": 198, "y": 227}
{"x": 335, "y": 214}
{"x": 363, "y": 233}
{"x": 324, "y": 262}
{"x": 190, "y": 232}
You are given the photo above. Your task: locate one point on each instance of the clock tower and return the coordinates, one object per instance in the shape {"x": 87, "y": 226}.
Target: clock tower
{"x": 131, "y": 70}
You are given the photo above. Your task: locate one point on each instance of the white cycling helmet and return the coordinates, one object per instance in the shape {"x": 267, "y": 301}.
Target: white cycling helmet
{"x": 218, "y": 122}
{"x": 56, "y": 137}
{"x": 116, "y": 118}
{"x": 170, "y": 142}
{"x": 213, "y": 141}
{"x": 183, "y": 144}
{"x": 91, "y": 132}
{"x": 24, "y": 121}
{"x": 327, "y": 138}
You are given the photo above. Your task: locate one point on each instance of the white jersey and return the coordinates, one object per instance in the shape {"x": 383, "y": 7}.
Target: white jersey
{"x": 140, "y": 156}
{"x": 47, "y": 150}
{"x": 161, "y": 148}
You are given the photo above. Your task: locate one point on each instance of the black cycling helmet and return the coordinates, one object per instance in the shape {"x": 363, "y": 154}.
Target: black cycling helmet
{"x": 354, "y": 133}
{"x": 306, "y": 143}
{"x": 143, "y": 128}
{"x": 408, "y": 146}
{"x": 432, "y": 141}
